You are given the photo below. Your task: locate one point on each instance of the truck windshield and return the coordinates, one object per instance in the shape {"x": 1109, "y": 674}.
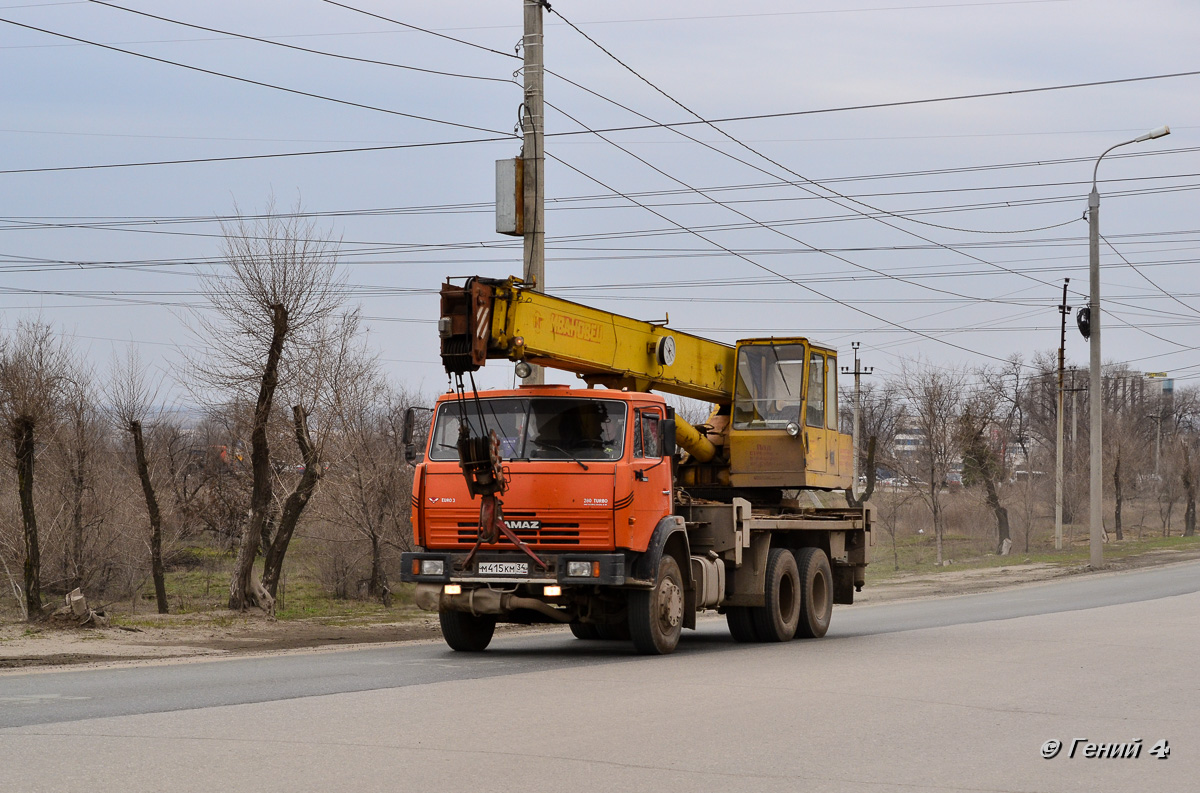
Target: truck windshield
{"x": 770, "y": 385}
{"x": 542, "y": 428}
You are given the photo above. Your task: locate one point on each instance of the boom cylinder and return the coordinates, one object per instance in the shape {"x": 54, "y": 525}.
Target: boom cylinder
{"x": 693, "y": 442}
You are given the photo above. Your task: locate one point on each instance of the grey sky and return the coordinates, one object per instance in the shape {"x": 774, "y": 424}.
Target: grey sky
{"x": 68, "y": 104}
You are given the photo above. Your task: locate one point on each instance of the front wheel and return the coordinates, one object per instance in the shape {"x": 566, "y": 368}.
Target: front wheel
{"x": 816, "y": 589}
{"x": 467, "y": 633}
{"x": 656, "y": 615}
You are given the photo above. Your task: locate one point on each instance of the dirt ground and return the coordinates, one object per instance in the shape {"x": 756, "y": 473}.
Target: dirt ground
{"x": 226, "y": 634}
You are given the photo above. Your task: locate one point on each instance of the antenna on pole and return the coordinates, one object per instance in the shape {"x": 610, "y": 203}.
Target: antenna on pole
{"x": 857, "y": 371}
{"x": 1065, "y": 311}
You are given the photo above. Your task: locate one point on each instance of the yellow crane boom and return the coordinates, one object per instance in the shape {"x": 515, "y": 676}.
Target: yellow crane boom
{"x": 499, "y": 319}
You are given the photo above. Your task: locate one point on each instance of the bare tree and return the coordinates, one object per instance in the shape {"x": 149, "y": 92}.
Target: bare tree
{"x": 983, "y": 463}
{"x": 1188, "y": 475}
{"x": 77, "y": 444}
{"x": 132, "y": 397}
{"x": 880, "y": 417}
{"x": 933, "y": 397}
{"x": 269, "y": 306}
{"x": 1125, "y": 453}
{"x": 34, "y": 369}
{"x": 370, "y": 491}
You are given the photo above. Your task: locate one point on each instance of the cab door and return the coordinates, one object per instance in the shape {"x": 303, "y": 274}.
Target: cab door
{"x": 651, "y": 475}
{"x": 815, "y": 434}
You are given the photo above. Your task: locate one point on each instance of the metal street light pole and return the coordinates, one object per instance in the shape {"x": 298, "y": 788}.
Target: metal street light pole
{"x": 1095, "y": 397}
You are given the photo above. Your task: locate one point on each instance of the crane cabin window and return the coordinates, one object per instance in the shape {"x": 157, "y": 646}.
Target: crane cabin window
{"x": 816, "y": 390}
{"x": 770, "y": 386}
{"x": 831, "y": 395}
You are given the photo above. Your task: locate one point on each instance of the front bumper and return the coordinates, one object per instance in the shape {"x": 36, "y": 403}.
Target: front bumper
{"x": 613, "y": 568}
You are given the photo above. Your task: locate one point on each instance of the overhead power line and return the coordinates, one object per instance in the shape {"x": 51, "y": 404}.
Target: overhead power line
{"x": 875, "y": 212}
{"x": 233, "y": 158}
{"x": 421, "y": 29}
{"x": 260, "y": 40}
{"x": 259, "y": 83}
{"x": 775, "y": 273}
{"x": 898, "y": 103}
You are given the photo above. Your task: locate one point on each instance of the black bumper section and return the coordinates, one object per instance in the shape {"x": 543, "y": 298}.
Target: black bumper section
{"x": 613, "y": 568}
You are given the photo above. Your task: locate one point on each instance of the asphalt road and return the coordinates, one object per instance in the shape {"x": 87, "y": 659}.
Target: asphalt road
{"x": 942, "y": 694}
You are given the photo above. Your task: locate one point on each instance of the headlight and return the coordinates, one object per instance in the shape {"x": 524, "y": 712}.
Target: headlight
{"x": 792, "y": 428}
{"x": 583, "y": 569}
{"x": 432, "y": 567}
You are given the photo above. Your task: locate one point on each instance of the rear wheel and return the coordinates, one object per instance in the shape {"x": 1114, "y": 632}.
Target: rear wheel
{"x": 468, "y": 633}
{"x": 816, "y": 590}
{"x": 584, "y": 630}
{"x": 777, "y": 619}
{"x": 656, "y": 615}
{"x": 741, "y": 624}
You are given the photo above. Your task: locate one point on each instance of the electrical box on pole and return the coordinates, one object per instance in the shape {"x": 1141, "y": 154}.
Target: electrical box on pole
{"x": 510, "y": 197}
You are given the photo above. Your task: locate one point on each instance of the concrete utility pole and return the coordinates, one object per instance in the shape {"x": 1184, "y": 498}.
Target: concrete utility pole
{"x": 1064, "y": 310}
{"x": 1096, "y": 398}
{"x": 857, "y": 372}
{"x": 533, "y": 157}
{"x": 1158, "y": 378}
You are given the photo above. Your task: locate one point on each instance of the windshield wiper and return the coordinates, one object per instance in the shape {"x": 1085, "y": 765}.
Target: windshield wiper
{"x": 779, "y": 366}
{"x": 561, "y": 449}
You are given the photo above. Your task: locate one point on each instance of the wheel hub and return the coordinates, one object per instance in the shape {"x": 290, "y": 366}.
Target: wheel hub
{"x": 670, "y": 601}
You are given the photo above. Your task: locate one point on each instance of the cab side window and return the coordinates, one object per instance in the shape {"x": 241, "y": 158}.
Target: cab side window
{"x": 645, "y": 434}
{"x": 831, "y": 395}
{"x": 816, "y": 390}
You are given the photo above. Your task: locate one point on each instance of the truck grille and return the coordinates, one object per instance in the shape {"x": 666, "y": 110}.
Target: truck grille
{"x": 592, "y": 531}
{"x": 548, "y": 534}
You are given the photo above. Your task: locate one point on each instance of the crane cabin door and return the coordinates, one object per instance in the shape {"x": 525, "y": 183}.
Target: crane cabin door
{"x": 816, "y": 442}
{"x": 766, "y": 438}
{"x": 824, "y": 447}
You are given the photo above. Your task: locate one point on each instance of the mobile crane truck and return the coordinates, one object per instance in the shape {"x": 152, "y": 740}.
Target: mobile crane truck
{"x": 600, "y": 508}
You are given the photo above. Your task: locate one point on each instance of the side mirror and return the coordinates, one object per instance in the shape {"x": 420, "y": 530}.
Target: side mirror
{"x": 666, "y": 436}
{"x": 410, "y": 448}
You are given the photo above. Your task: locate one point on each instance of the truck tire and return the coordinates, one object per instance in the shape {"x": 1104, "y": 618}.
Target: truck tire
{"x": 465, "y": 632}
{"x": 656, "y": 615}
{"x": 816, "y": 593}
{"x": 584, "y": 630}
{"x": 776, "y": 621}
{"x": 741, "y": 624}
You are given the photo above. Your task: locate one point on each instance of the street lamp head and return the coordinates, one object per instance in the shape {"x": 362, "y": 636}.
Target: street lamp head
{"x": 1157, "y": 132}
